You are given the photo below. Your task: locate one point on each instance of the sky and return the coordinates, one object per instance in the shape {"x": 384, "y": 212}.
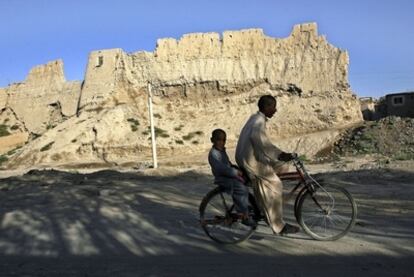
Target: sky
{"x": 378, "y": 34}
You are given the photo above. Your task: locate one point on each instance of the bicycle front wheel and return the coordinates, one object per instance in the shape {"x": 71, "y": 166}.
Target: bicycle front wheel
{"x": 328, "y": 213}
{"x": 219, "y": 219}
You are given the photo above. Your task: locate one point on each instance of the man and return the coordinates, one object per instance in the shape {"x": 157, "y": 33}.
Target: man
{"x": 262, "y": 160}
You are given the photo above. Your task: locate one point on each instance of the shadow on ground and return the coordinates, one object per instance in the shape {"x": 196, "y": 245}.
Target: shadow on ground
{"x": 121, "y": 224}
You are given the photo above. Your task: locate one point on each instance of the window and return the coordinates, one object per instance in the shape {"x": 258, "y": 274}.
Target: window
{"x": 99, "y": 61}
{"x": 398, "y": 100}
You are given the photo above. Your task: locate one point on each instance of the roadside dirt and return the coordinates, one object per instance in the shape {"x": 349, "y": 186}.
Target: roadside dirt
{"x": 391, "y": 137}
{"x": 145, "y": 223}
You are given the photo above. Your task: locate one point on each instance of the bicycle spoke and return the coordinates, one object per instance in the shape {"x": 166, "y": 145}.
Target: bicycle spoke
{"x": 331, "y": 221}
{"x": 340, "y": 218}
{"x": 314, "y": 220}
{"x": 327, "y": 214}
{"x": 214, "y": 206}
{"x": 220, "y": 223}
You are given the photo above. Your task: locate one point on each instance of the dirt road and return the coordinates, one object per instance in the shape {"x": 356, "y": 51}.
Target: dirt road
{"x": 111, "y": 223}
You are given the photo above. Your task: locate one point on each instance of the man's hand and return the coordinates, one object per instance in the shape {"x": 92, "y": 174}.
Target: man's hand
{"x": 285, "y": 157}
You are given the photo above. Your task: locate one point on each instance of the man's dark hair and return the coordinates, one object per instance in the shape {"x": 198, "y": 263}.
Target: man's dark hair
{"x": 216, "y": 134}
{"x": 265, "y": 101}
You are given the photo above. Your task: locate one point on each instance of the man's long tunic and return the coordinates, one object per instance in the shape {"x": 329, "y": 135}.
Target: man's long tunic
{"x": 258, "y": 156}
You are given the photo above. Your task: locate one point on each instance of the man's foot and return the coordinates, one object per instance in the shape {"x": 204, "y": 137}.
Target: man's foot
{"x": 289, "y": 229}
{"x": 249, "y": 222}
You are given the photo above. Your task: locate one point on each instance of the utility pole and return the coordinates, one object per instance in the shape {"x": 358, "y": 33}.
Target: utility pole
{"x": 154, "y": 145}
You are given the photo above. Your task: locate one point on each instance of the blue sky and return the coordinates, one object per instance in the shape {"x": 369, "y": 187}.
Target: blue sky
{"x": 378, "y": 35}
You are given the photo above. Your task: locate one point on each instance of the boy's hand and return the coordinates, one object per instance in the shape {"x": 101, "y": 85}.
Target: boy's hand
{"x": 241, "y": 178}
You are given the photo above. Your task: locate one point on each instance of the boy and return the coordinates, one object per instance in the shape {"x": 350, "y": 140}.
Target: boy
{"x": 228, "y": 176}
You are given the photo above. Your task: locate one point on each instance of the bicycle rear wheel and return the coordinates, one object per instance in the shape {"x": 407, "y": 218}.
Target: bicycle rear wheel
{"x": 329, "y": 213}
{"x": 219, "y": 220}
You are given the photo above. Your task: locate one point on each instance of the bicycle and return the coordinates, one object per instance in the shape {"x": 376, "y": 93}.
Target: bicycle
{"x": 326, "y": 212}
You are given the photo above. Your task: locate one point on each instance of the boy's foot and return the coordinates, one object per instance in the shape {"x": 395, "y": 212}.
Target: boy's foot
{"x": 289, "y": 229}
{"x": 249, "y": 222}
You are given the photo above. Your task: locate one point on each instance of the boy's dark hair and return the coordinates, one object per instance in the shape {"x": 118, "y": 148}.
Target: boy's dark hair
{"x": 216, "y": 133}
{"x": 265, "y": 101}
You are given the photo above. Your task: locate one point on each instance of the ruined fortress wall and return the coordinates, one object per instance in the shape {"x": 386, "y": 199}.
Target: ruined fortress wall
{"x": 303, "y": 60}
{"x": 201, "y": 82}
{"x": 3, "y": 98}
{"x": 230, "y": 72}
{"x": 100, "y": 77}
{"x": 43, "y": 95}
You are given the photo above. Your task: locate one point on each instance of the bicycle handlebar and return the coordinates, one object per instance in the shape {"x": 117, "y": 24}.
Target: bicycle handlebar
{"x": 298, "y": 163}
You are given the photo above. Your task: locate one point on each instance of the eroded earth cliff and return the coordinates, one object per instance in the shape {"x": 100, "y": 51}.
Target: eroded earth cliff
{"x": 200, "y": 82}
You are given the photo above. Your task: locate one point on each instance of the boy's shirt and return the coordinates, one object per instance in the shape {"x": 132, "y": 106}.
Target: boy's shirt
{"x": 221, "y": 166}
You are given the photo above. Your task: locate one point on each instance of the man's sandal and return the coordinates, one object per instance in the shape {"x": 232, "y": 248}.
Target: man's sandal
{"x": 289, "y": 229}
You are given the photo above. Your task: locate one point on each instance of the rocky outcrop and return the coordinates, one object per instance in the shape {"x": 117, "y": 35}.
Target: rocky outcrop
{"x": 42, "y": 97}
{"x": 88, "y": 140}
{"x": 200, "y": 82}
{"x": 304, "y": 63}
{"x": 41, "y": 102}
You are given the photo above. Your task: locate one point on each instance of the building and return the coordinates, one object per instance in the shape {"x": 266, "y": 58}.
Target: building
{"x": 397, "y": 104}
{"x": 400, "y": 104}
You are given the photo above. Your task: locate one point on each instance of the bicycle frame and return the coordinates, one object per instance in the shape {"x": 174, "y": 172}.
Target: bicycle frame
{"x": 300, "y": 175}
{"x": 304, "y": 179}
